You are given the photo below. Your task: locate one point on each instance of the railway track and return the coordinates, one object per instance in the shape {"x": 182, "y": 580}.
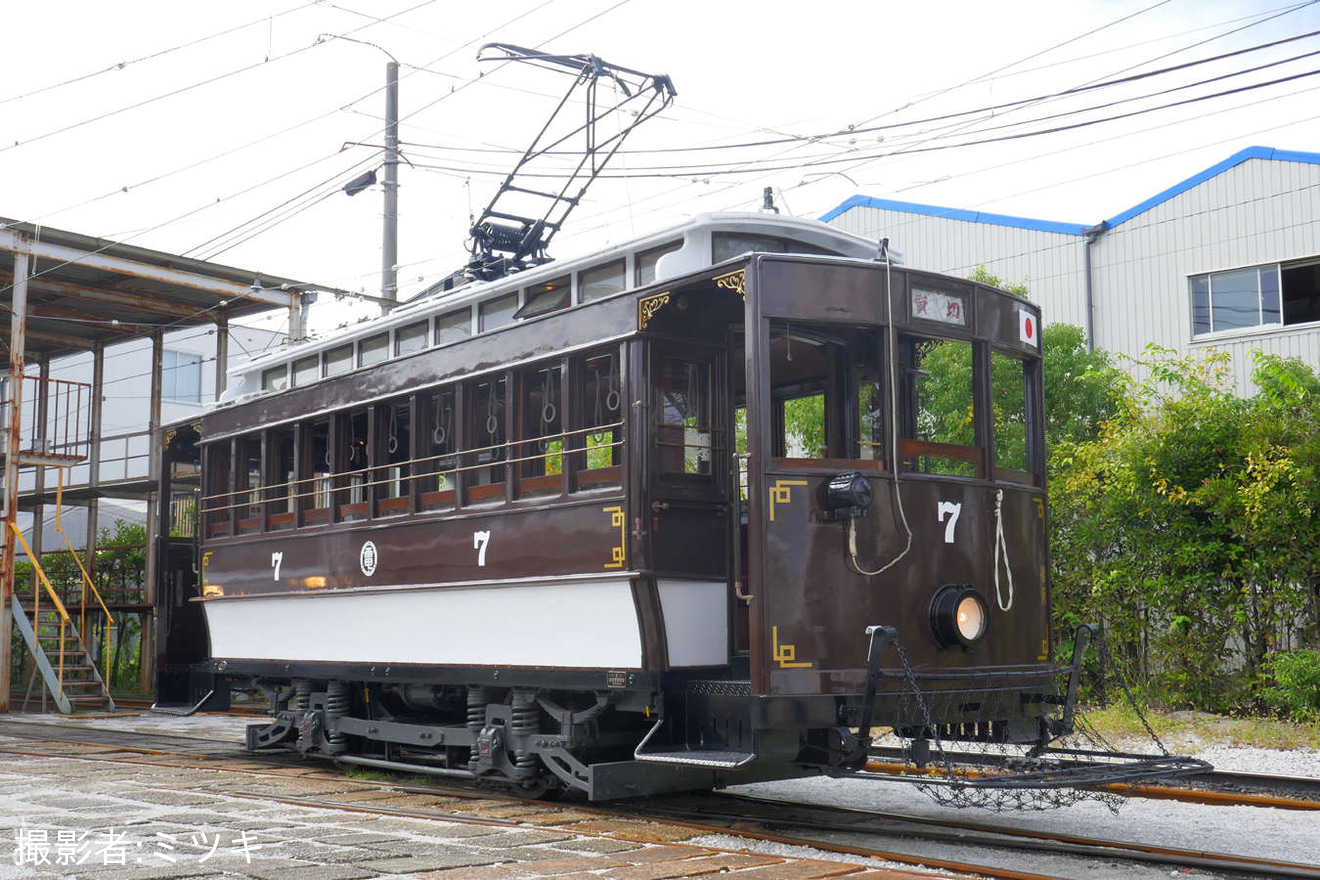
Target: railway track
{"x": 863, "y": 834}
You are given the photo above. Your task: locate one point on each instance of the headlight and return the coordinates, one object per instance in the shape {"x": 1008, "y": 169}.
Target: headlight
{"x": 848, "y": 495}
{"x": 959, "y": 615}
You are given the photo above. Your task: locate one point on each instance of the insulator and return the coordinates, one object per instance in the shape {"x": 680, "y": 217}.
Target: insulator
{"x": 477, "y": 699}
{"x": 336, "y": 707}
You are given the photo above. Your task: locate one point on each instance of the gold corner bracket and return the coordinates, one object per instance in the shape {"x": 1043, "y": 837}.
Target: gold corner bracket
{"x": 735, "y": 281}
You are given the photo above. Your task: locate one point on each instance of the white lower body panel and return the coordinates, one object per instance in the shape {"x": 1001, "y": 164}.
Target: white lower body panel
{"x": 582, "y": 624}
{"x": 696, "y": 621}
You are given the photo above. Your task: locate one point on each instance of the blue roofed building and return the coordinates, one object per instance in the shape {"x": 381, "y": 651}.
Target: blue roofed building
{"x": 1228, "y": 258}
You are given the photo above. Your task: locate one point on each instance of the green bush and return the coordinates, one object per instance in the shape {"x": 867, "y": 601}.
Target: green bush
{"x": 1294, "y": 684}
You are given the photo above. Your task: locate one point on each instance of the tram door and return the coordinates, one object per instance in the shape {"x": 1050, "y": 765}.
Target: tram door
{"x": 688, "y": 494}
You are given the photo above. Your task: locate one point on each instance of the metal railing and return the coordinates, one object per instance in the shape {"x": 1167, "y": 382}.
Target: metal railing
{"x": 66, "y": 432}
{"x": 253, "y": 499}
{"x": 87, "y": 583}
{"x": 36, "y": 606}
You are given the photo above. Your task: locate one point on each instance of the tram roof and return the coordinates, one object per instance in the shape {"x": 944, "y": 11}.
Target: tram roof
{"x": 79, "y": 286}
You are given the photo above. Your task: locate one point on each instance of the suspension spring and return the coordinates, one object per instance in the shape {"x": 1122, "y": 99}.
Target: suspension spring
{"x": 336, "y": 707}
{"x": 302, "y": 695}
{"x": 525, "y": 720}
{"x": 477, "y": 700}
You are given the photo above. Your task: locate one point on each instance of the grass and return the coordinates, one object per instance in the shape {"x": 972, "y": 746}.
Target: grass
{"x": 1180, "y": 729}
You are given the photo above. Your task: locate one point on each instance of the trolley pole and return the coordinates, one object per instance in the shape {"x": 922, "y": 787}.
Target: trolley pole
{"x": 389, "y": 276}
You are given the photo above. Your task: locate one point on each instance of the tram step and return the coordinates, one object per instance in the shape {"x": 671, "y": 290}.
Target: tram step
{"x": 688, "y": 756}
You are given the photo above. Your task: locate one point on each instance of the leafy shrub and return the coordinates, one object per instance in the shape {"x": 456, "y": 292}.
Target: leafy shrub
{"x": 1295, "y": 684}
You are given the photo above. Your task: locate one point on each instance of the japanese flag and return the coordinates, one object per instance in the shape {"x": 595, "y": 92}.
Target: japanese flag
{"x": 1028, "y": 327}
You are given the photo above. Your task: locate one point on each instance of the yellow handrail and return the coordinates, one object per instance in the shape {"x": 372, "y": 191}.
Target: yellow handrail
{"x": 54, "y": 597}
{"x": 86, "y": 578}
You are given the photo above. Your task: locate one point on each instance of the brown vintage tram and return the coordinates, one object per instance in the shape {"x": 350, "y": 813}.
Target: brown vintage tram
{"x": 653, "y": 519}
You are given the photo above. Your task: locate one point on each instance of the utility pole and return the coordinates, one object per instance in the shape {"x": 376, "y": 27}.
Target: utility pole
{"x": 389, "y": 275}
{"x": 17, "y": 334}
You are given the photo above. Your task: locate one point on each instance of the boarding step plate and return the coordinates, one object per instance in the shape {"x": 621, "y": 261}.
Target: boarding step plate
{"x": 688, "y": 756}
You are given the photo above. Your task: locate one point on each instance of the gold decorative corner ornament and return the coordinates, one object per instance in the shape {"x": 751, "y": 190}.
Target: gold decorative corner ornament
{"x": 647, "y": 307}
{"x": 786, "y": 655}
{"x": 782, "y": 493}
{"x": 735, "y": 281}
{"x": 618, "y": 554}
{"x": 170, "y": 435}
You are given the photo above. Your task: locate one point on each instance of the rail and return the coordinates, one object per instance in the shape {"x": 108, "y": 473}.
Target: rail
{"x": 36, "y": 605}
{"x": 86, "y": 578}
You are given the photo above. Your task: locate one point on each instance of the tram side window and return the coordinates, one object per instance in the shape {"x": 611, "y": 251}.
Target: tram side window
{"x": 394, "y": 453}
{"x": 600, "y": 435}
{"x": 219, "y": 500}
{"x": 684, "y": 434}
{"x": 541, "y": 428}
{"x": 249, "y": 484}
{"x": 646, "y": 261}
{"x": 315, "y": 481}
{"x": 352, "y": 456}
{"x": 438, "y": 467}
{"x": 484, "y": 470}
{"x": 279, "y": 481}
{"x": 1008, "y": 395}
{"x": 938, "y": 419}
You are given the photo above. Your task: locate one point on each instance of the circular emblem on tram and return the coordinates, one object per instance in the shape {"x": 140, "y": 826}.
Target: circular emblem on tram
{"x": 368, "y": 558}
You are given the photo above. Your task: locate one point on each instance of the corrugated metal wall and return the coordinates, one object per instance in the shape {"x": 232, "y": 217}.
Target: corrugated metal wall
{"x": 1259, "y": 211}
{"x": 1050, "y": 264}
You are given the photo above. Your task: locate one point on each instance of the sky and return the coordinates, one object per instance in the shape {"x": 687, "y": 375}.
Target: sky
{"x": 226, "y": 131}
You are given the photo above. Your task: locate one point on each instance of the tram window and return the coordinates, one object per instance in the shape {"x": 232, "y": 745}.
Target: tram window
{"x": 279, "y": 481}
{"x": 410, "y": 338}
{"x": 740, "y": 447}
{"x": 1008, "y": 394}
{"x": 338, "y": 360}
{"x": 484, "y": 470}
{"x": 684, "y": 434}
{"x": 646, "y": 261}
{"x": 352, "y": 455}
{"x": 315, "y": 481}
{"x": 725, "y": 245}
{"x": 497, "y": 312}
{"x": 373, "y": 349}
{"x": 546, "y": 297}
{"x": 542, "y": 432}
{"x": 871, "y": 417}
{"x": 453, "y": 326}
{"x": 601, "y": 407}
{"x": 601, "y": 281}
{"x": 249, "y": 484}
{"x": 219, "y": 499}
{"x": 804, "y": 371}
{"x": 438, "y": 466}
{"x": 394, "y": 453}
{"x": 938, "y": 418}
{"x": 275, "y": 379}
{"x": 306, "y": 369}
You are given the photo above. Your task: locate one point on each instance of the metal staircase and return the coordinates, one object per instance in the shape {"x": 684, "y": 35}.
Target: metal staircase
{"x": 62, "y": 657}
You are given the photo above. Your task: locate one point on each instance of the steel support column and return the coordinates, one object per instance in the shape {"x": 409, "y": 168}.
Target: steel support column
{"x": 222, "y": 354}
{"x": 17, "y": 327}
{"x": 147, "y": 662}
{"x": 94, "y": 471}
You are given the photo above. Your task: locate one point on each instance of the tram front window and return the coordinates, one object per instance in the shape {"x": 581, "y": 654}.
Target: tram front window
{"x": 811, "y": 367}
{"x": 938, "y": 411}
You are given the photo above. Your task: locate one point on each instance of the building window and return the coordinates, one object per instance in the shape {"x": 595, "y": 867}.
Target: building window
{"x": 1260, "y": 296}
{"x": 181, "y": 376}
